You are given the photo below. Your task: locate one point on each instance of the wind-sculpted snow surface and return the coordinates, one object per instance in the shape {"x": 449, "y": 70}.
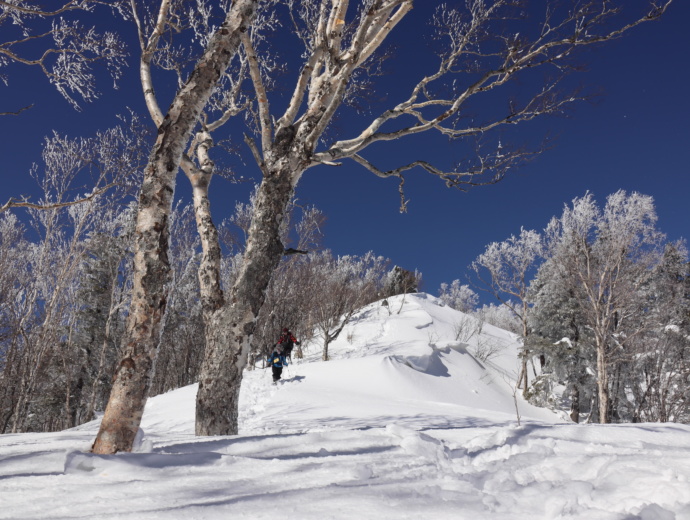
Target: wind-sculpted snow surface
{"x": 405, "y": 422}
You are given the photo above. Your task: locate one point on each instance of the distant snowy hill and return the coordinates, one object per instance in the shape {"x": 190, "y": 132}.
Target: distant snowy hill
{"x": 408, "y": 420}
{"x": 407, "y": 365}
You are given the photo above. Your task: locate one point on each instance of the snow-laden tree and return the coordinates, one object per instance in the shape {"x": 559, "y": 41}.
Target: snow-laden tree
{"x": 341, "y": 286}
{"x": 100, "y": 299}
{"x": 79, "y": 170}
{"x": 500, "y": 316}
{"x": 607, "y": 255}
{"x": 560, "y": 336}
{"x": 14, "y": 278}
{"x": 43, "y": 306}
{"x": 660, "y": 371}
{"x": 504, "y": 269}
{"x": 459, "y": 296}
{"x": 56, "y": 40}
{"x": 401, "y": 281}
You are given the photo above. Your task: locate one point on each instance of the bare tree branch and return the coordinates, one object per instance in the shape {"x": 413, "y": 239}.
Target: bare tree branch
{"x": 498, "y": 163}
{"x": 71, "y": 49}
{"x": 550, "y": 48}
{"x": 260, "y": 89}
{"x": 71, "y": 5}
{"x": 24, "y": 202}
{"x": 16, "y": 113}
{"x": 148, "y": 49}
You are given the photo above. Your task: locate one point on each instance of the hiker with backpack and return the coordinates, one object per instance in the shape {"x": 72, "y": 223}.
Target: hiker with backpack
{"x": 276, "y": 360}
{"x": 287, "y": 341}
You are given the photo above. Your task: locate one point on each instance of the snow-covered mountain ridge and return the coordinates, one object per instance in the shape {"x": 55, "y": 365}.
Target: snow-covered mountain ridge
{"x": 405, "y": 357}
{"x": 407, "y": 420}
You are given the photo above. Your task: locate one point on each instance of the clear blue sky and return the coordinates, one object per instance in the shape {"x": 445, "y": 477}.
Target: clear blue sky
{"x": 635, "y": 137}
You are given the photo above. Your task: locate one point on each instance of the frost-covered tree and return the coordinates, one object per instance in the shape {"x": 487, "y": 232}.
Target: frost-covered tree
{"x": 459, "y": 296}
{"x": 661, "y": 369}
{"x": 608, "y": 255}
{"x": 100, "y": 302}
{"x": 79, "y": 170}
{"x": 15, "y": 279}
{"x": 561, "y": 338}
{"x": 55, "y": 40}
{"x": 504, "y": 269}
{"x": 499, "y": 316}
{"x": 46, "y": 296}
{"x": 58, "y": 353}
{"x": 401, "y": 281}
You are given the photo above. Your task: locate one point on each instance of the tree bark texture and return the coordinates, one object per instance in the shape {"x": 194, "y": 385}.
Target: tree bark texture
{"x": 151, "y": 265}
{"x": 575, "y": 404}
{"x": 326, "y": 344}
{"x": 602, "y": 383}
{"x": 230, "y": 329}
{"x": 212, "y": 297}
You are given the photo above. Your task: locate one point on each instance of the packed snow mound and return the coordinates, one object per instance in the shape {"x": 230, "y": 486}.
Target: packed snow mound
{"x": 414, "y": 358}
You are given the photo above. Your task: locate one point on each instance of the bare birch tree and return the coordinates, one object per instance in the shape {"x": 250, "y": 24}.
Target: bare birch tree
{"x": 341, "y": 40}
{"x": 341, "y": 286}
{"x": 151, "y": 265}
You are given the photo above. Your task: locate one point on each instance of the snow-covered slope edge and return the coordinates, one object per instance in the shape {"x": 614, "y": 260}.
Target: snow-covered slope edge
{"x": 403, "y": 423}
{"x": 411, "y": 361}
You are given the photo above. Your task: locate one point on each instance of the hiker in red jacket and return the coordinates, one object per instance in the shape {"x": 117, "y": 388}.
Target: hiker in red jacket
{"x": 287, "y": 341}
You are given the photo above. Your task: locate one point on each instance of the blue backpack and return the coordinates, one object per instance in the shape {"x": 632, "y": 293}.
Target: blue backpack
{"x": 276, "y": 358}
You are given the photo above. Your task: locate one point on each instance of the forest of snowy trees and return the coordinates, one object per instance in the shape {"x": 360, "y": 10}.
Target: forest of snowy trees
{"x": 65, "y": 287}
{"x": 66, "y": 282}
{"x": 602, "y": 290}
{"x": 601, "y": 301}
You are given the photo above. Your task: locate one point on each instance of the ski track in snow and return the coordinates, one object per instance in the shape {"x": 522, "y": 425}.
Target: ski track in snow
{"x": 392, "y": 428}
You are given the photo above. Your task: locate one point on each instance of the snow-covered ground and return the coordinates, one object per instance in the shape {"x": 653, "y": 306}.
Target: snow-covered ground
{"x": 405, "y": 422}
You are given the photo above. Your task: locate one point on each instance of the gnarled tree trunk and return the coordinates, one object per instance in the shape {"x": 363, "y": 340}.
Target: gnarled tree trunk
{"x": 151, "y": 266}
{"x": 229, "y": 329}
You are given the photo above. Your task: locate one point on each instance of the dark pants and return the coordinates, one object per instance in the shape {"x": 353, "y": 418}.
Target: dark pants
{"x": 276, "y": 373}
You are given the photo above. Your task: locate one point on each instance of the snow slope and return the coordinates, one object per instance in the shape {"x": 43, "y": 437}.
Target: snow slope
{"x": 405, "y": 422}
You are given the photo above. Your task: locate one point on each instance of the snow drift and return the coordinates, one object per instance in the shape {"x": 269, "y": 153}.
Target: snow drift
{"x": 408, "y": 420}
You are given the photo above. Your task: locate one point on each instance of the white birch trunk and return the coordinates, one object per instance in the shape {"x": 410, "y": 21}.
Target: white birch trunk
{"x": 602, "y": 381}
{"x": 209, "y": 268}
{"x": 151, "y": 266}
